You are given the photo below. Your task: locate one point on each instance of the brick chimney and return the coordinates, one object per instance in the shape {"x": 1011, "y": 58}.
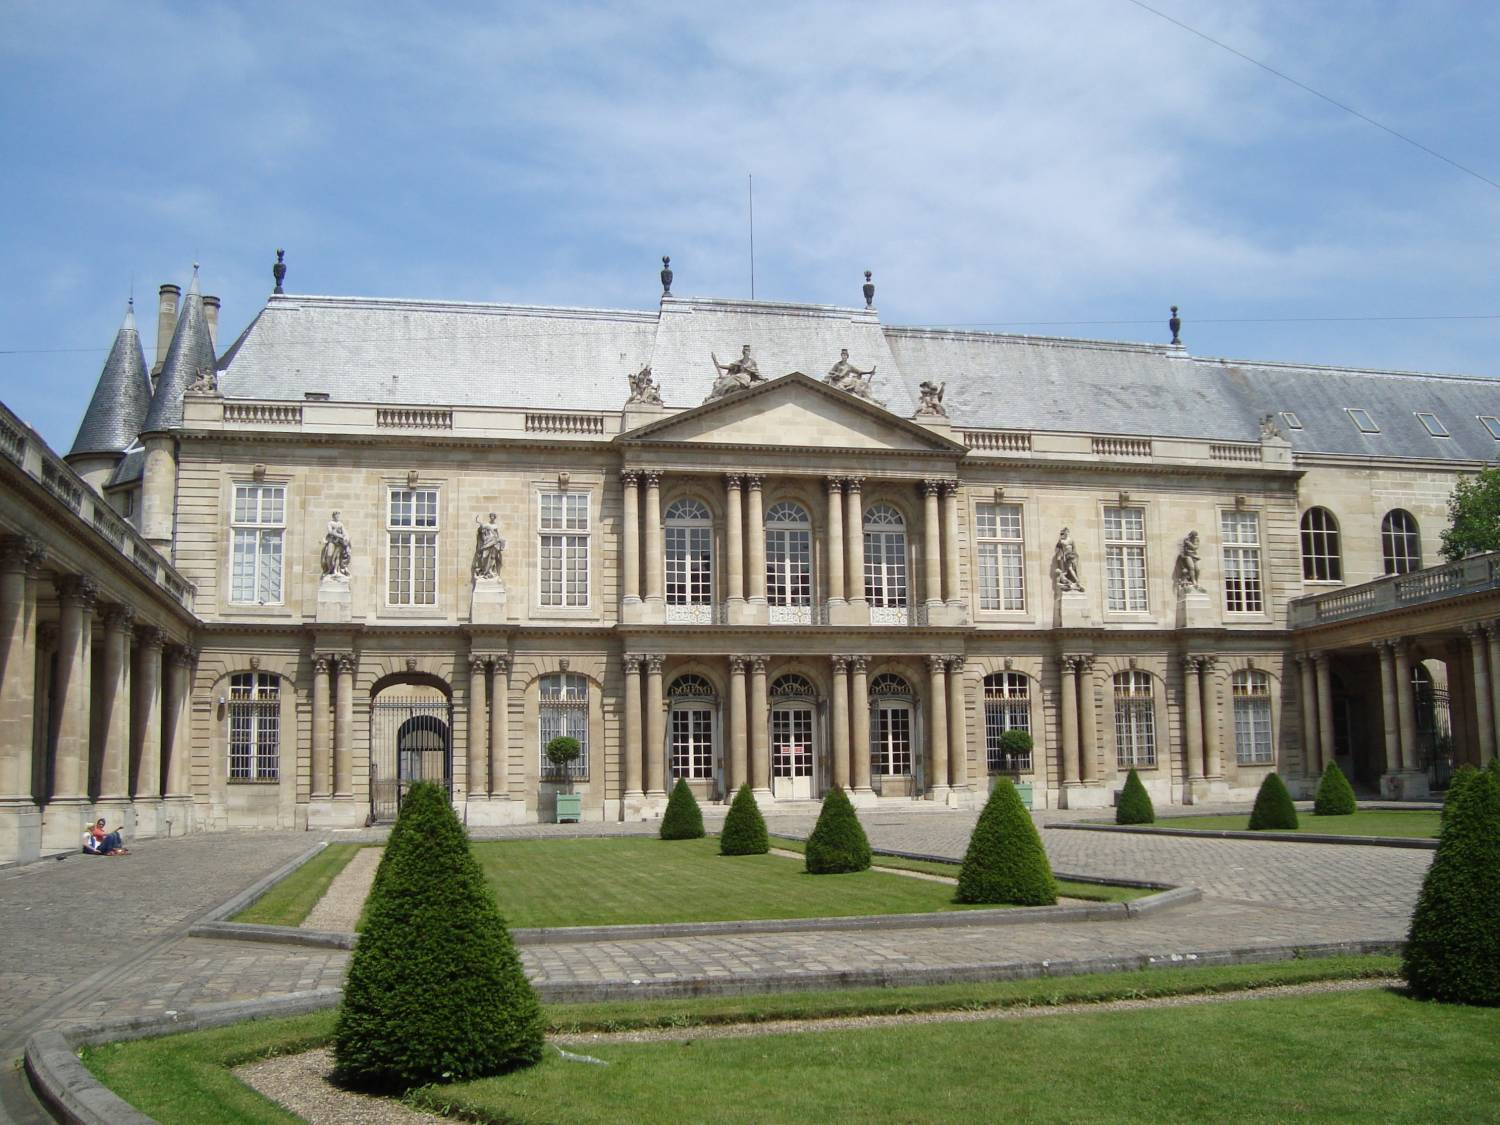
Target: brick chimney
{"x": 166, "y": 324}
{"x": 211, "y": 314}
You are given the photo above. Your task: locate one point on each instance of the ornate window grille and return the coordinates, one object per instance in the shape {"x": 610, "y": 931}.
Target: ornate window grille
{"x": 254, "y": 726}
{"x": 1007, "y": 706}
{"x": 1135, "y": 720}
{"x": 563, "y": 709}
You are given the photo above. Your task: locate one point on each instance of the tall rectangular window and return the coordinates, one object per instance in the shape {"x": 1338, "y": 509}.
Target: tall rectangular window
{"x": 563, "y": 710}
{"x": 254, "y": 726}
{"x": 692, "y": 737}
{"x": 1007, "y": 707}
{"x": 1002, "y": 557}
{"x": 1252, "y": 718}
{"x": 1125, "y": 559}
{"x": 412, "y": 562}
{"x": 1240, "y": 532}
{"x": 1135, "y": 720}
{"x": 563, "y": 550}
{"x": 258, "y": 526}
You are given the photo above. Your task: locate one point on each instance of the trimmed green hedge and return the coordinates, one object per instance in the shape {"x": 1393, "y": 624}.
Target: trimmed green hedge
{"x": 683, "y": 819}
{"x": 744, "y": 828}
{"x": 838, "y": 843}
{"x": 1135, "y": 803}
{"x": 1005, "y": 862}
{"x": 1273, "y": 806}
{"x": 1453, "y": 949}
{"x": 435, "y": 991}
{"x": 1335, "y": 796}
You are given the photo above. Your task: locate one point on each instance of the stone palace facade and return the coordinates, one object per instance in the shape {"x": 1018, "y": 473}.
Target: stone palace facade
{"x": 737, "y": 542}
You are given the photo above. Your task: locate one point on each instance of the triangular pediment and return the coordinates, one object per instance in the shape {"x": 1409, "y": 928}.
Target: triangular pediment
{"x": 794, "y": 411}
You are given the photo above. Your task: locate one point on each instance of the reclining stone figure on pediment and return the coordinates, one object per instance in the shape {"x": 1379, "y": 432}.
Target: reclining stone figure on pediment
{"x": 850, "y": 379}
{"x": 735, "y": 375}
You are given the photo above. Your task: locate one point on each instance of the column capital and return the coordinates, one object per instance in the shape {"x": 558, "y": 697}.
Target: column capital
{"x": 632, "y": 663}
{"x": 1382, "y": 647}
{"x": 932, "y": 487}
{"x": 320, "y": 663}
{"x": 835, "y": 485}
{"x": 477, "y": 663}
{"x": 737, "y": 665}
{"x": 119, "y": 619}
{"x": 1399, "y": 645}
{"x": 1192, "y": 665}
{"x": 653, "y": 478}
{"x": 1068, "y": 664}
{"x": 858, "y": 664}
{"x": 1083, "y": 661}
{"x": 630, "y": 477}
{"x": 184, "y": 656}
{"x": 753, "y": 481}
{"x": 500, "y": 663}
{"x": 1476, "y": 631}
{"x": 840, "y": 665}
{"x": 20, "y": 552}
{"x": 150, "y": 636}
{"x": 957, "y": 664}
{"x": 654, "y": 662}
{"x": 79, "y": 589}
{"x": 346, "y": 663}
{"x": 734, "y": 481}
{"x": 854, "y": 484}
{"x": 950, "y": 487}
{"x": 937, "y": 663}
{"x": 1322, "y": 657}
{"x": 758, "y": 665}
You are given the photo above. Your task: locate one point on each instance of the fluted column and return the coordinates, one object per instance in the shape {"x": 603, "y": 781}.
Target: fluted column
{"x": 958, "y": 729}
{"x": 1309, "y": 706}
{"x": 951, "y": 592}
{"x": 835, "y": 540}
{"x": 343, "y": 728}
{"x": 1192, "y": 717}
{"x": 1483, "y": 707}
{"x": 859, "y": 727}
{"x": 114, "y": 705}
{"x": 760, "y": 738}
{"x": 633, "y": 726}
{"x": 655, "y": 560}
{"x": 937, "y": 713}
{"x": 321, "y": 746}
{"x": 73, "y": 690}
{"x": 500, "y": 726}
{"x": 478, "y": 748}
{"x": 739, "y": 741}
{"x": 854, "y": 536}
{"x": 840, "y": 707}
{"x": 1406, "y": 712}
{"x": 1325, "y": 709}
{"x": 1069, "y": 706}
{"x": 1088, "y": 745}
{"x": 932, "y": 554}
{"x": 630, "y": 549}
{"x": 656, "y": 739}
{"x": 18, "y": 651}
{"x": 176, "y": 734}
{"x": 734, "y": 539}
{"x": 1390, "y": 717}
{"x": 755, "y": 532}
{"x": 1213, "y": 760}
{"x": 146, "y": 680}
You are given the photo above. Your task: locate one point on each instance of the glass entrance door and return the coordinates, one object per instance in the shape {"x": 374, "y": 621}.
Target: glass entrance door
{"x": 792, "y": 751}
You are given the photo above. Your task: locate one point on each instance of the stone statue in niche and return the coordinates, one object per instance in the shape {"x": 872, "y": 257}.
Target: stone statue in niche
{"x": 734, "y": 375}
{"x": 850, "y": 379}
{"x": 489, "y": 549}
{"x": 1065, "y": 565}
{"x": 643, "y": 389}
{"x": 931, "y": 403}
{"x": 1185, "y": 573}
{"x": 337, "y": 550}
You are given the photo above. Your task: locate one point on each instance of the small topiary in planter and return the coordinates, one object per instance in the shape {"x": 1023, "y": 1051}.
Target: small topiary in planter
{"x": 1005, "y": 862}
{"x": 435, "y": 991}
{"x": 1335, "y": 796}
{"x": 1451, "y": 952}
{"x": 1273, "y": 806}
{"x": 1135, "y": 803}
{"x": 1015, "y": 744}
{"x": 838, "y": 843}
{"x": 683, "y": 819}
{"x": 562, "y": 752}
{"x": 744, "y": 828}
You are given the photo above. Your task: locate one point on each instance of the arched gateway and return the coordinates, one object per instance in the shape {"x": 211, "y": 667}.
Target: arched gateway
{"x": 411, "y": 740}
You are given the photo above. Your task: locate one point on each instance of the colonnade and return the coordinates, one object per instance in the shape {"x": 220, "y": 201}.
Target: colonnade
{"x": 1201, "y": 719}
{"x": 332, "y": 765}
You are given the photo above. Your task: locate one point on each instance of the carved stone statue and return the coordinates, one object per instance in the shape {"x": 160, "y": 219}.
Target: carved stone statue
{"x": 1269, "y": 430}
{"x": 850, "y": 379}
{"x": 1065, "y": 565}
{"x": 1185, "y": 573}
{"x": 734, "y": 375}
{"x": 931, "y": 404}
{"x": 336, "y": 550}
{"x": 489, "y": 549}
{"x": 643, "y": 389}
{"x": 206, "y": 382}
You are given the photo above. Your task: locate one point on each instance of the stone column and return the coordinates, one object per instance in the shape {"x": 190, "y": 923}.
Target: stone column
{"x": 321, "y": 749}
{"x": 500, "y": 727}
{"x": 760, "y": 737}
{"x": 114, "y": 707}
{"x": 1495, "y": 679}
{"x": 932, "y": 556}
{"x": 835, "y": 541}
{"x": 951, "y": 592}
{"x": 1309, "y": 705}
{"x": 1192, "y": 718}
{"x": 1388, "y": 706}
{"x": 840, "y": 750}
{"x": 1483, "y": 708}
{"x": 66, "y": 812}
{"x": 633, "y": 788}
{"x": 1068, "y": 699}
{"x": 734, "y": 540}
{"x": 656, "y": 739}
{"x": 1213, "y": 759}
{"x": 630, "y": 549}
{"x": 859, "y": 726}
{"x": 177, "y": 730}
{"x": 1406, "y": 711}
{"x": 655, "y": 560}
{"x": 1088, "y": 736}
{"x": 343, "y": 728}
{"x": 755, "y": 532}
{"x": 937, "y": 714}
{"x": 146, "y": 735}
{"x": 738, "y": 772}
{"x": 854, "y": 536}
{"x": 20, "y": 819}
{"x": 478, "y": 748}
{"x": 1325, "y": 709}
{"x": 958, "y": 729}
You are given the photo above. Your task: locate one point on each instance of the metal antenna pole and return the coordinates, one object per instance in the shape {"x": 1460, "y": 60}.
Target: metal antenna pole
{"x": 751, "y": 178}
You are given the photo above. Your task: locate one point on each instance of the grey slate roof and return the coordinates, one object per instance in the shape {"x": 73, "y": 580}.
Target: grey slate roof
{"x": 443, "y": 353}
{"x": 190, "y": 351}
{"x": 130, "y": 470}
{"x": 121, "y": 397}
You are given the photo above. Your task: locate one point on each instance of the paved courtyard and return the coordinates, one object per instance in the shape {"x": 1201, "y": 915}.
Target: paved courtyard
{"x": 88, "y": 938}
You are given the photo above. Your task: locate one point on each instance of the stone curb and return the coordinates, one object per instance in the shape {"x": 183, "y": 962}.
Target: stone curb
{"x": 258, "y": 888}
{"x": 1282, "y": 837}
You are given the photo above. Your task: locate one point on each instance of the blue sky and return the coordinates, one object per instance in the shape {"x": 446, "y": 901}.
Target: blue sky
{"x": 998, "y": 163}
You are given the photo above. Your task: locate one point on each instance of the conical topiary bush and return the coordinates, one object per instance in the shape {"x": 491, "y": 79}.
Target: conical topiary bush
{"x": 1456, "y": 784}
{"x": 1005, "y": 862}
{"x": 1273, "y": 806}
{"x": 838, "y": 843}
{"x": 1135, "y": 803}
{"x": 744, "y": 828}
{"x": 1452, "y": 953}
{"x": 1335, "y": 796}
{"x": 683, "y": 819}
{"x": 435, "y": 991}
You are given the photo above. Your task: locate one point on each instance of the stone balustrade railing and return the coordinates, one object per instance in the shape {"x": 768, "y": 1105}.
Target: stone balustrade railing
{"x": 1472, "y": 575}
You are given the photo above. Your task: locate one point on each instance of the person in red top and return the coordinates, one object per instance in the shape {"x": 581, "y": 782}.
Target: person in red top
{"x": 100, "y": 842}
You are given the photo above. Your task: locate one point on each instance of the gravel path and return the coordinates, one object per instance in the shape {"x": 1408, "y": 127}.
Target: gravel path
{"x": 299, "y": 1083}
{"x": 338, "y": 910}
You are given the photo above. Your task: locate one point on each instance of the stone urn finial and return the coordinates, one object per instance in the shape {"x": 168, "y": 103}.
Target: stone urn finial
{"x": 1175, "y": 324}
{"x": 278, "y": 271}
{"x": 869, "y": 291}
{"x": 666, "y": 276}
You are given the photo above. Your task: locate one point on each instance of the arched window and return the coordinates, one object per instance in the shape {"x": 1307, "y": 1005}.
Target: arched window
{"x": 690, "y": 553}
{"x": 1321, "y": 561}
{"x": 1252, "y": 717}
{"x": 789, "y": 564}
{"x": 254, "y": 726}
{"x": 691, "y": 732}
{"x": 885, "y": 558}
{"x": 1007, "y": 706}
{"x": 1135, "y": 720}
{"x": 563, "y": 709}
{"x": 1400, "y": 542}
{"x": 890, "y": 725}
{"x": 792, "y": 698}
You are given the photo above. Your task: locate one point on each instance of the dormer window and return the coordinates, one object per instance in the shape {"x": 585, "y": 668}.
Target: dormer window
{"x": 1434, "y": 427}
{"x": 1362, "y": 420}
{"x": 1491, "y": 423}
{"x": 1291, "y": 420}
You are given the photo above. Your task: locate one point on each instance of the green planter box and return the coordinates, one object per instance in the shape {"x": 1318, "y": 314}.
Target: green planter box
{"x": 1024, "y": 789}
{"x": 569, "y": 807}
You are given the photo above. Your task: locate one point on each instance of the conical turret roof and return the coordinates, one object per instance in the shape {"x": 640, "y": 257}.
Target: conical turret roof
{"x": 121, "y": 397}
{"x": 191, "y": 351}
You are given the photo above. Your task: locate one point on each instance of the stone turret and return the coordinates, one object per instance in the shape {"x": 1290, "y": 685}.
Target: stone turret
{"x": 117, "y": 411}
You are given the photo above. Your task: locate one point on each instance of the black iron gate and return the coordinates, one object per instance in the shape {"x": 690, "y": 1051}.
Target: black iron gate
{"x": 410, "y": 740}
{"x": 1434, "y": 734}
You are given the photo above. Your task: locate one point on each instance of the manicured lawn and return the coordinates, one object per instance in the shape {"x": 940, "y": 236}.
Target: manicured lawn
{"x": 1366, "y": 822}
{"x": 292, "y": 899}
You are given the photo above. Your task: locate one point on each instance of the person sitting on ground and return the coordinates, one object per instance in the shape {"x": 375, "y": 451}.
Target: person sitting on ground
{"x": 99, "y": 842}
